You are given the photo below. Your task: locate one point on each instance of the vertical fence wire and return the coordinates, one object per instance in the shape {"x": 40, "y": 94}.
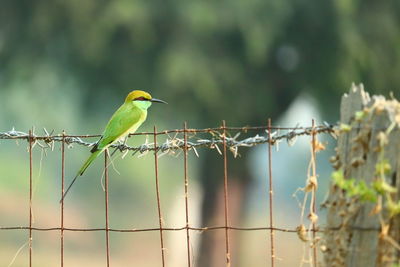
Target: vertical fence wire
{"x": 186, "y": 181}
{"x": 226, "y": 204}
{"x": 270, "y": 194}
{"x": 62, "y": 199}
{"x": 30, "y": 195}
{"x": 160, "y": 220}
{"x": 106, "y": 206}
{"x": 313, "y": 199}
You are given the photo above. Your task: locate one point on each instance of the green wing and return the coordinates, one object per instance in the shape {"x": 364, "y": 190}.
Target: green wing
{"x": 126, "y": 118}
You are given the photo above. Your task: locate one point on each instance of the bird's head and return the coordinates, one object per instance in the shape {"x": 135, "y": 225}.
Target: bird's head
{"x": 142, "y": 99}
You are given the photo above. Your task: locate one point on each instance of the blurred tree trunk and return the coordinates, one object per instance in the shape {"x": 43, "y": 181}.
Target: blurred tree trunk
{"x": 212, "y": 246}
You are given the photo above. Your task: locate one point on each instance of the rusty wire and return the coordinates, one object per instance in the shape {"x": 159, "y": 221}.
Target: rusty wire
{"x": 314, "y": 193}
{"x": 30, "y": 195}
{"x": 270, "y": 194}
{"x": 106, "y": 208}
{"x": 186, "y": 184}
{"x": 200, "y": 229}
{"x": 226, "y": 202}
{"x": 62, "y": 201}
{"x": 160, "y": 220}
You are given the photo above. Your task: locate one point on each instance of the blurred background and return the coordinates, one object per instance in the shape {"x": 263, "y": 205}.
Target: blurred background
{"x": 67, "y": 65}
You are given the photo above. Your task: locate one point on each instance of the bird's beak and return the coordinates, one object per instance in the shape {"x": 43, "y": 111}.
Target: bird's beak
{"x": 158, "y": 101}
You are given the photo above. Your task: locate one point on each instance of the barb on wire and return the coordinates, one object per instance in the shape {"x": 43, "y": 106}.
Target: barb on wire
{"x": 174, "y": 143}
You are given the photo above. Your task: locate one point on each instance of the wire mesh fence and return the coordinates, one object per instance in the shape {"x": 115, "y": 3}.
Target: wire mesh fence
{"x": 223, "y": 140}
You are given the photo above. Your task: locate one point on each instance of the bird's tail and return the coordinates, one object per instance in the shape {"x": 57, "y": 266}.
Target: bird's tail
{"x": 92, "y": 157}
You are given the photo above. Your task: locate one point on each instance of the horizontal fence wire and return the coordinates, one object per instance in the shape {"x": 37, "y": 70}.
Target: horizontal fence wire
{"x": 200, "y": 229}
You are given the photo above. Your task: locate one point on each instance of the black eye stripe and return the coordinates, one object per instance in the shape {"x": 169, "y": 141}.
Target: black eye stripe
{"x": 141, "y": 98}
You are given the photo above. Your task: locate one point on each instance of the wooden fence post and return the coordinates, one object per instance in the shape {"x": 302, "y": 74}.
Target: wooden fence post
{"x": 363, "y": 220}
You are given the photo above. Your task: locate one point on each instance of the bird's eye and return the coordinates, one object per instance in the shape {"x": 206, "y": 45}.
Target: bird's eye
{"x": 140, "y": 98}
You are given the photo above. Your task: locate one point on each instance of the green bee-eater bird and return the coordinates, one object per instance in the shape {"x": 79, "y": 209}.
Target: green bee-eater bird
{"x": 127, "y": 119}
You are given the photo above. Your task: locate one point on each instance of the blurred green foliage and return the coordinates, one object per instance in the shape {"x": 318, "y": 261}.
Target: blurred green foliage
{"x": 236, "y": 60}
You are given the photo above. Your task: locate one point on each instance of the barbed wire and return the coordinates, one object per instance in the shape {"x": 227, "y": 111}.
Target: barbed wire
{"x": 175, "y": 142}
